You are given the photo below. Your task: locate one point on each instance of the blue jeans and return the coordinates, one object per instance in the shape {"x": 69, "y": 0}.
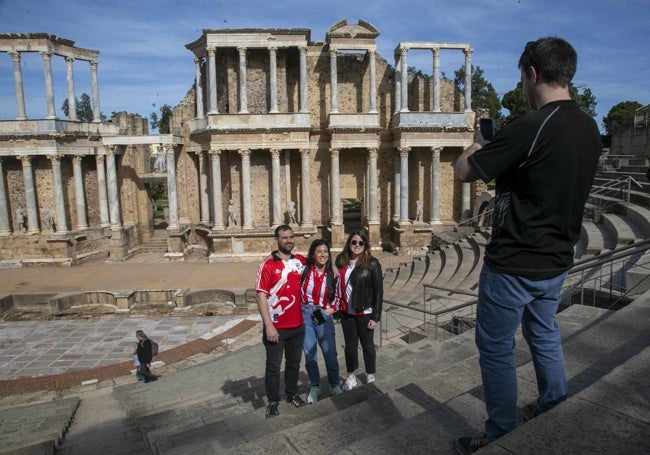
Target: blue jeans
{"x": 505, "y": 301}
{"x": 320, "y": 335}
{"x": 290, "y": 343}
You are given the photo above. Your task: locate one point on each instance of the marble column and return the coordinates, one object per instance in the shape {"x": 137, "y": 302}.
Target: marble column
{"x": 404, "y": 105}
{"x": 373, "y": 215}
{"x": 246, "y": 188}
{"x": 373, "y": 80}
{"x": 243, "y": 97}
{"x": 49, "y": 84}
{"x": 273, "y": 74}
{"x": 396, "y": 189}
{"x": 172, "y": 193}
{"x": 198, "y": 84}
{"x": 59, "y": 200}
{"x": 464, "y": 209}
{"x": 5, "y": 227}
{"x": 97, "y": 113}
{"x": 79, "y": 197}
{"x": 334, "y": 85}
{"x": 72, "y": 102}
{"x": 335, "y": 203}
{"x": 104, "y": 217}
{"x": 275, "y": 182}
{"x": 404, "y": 185}
{"x": 203, "y": 189}
{"x": 305, "y": 219}
{"x": 217, "y": 202}
{"x": 398, "y": 83}
{"x": 30, "y": 194}
{"x": 18, "y": 82}
{"x": 113, "y": 190}
{"x": 436, "y": 79}
{"x": 468, "y": 79}
{"x": 435, "y": 186}
{"x": 212, "y": 81}
{"x": 303, "y": 79}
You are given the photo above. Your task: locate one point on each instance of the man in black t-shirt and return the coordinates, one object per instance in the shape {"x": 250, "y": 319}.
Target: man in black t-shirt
{"x": 544, "y": 165}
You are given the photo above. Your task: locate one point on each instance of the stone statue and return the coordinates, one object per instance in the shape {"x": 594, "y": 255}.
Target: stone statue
{"x": 232, "y": 214}
{"x": 418, "y": 210}
{"x": 47, "y": 220}
{"x": 160, "y": 163}
{"x": 20, "y": 219}
{"x": 291, "y": 212}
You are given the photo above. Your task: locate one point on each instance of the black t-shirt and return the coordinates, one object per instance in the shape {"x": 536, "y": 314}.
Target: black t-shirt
{"x": 544, "y": 164}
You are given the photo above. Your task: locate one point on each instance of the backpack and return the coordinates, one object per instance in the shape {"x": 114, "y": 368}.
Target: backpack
{"x": 154, "y": 347}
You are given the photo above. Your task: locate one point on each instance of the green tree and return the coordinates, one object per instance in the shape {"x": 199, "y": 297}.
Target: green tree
{"x": 484, "y": 95}
{"x": 620, "y": 116}
{"x": 83, "y": 108}
{"x": 161, "y": 125}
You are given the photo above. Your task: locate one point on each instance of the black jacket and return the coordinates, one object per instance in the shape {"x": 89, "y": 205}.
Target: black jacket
{"x": 144, "y": 351}
{"x": 367, "y": 289}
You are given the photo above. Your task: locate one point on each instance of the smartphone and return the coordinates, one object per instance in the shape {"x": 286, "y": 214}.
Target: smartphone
{"x": 486, "y": 126}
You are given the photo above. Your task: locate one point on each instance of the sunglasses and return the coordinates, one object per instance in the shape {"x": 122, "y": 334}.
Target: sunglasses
{"x": 355, "y": 243}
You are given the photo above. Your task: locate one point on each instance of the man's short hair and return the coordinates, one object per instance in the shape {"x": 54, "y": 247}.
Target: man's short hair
{"x": 282, "y": 228}
{"x": 554, "y": 59}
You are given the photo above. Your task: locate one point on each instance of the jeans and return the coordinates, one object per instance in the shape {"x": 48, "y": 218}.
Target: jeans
{"x": 290, "y": 343}
{"x": 355, "y": 329}
{"x": 505, "y": 301}
{"x": 320, "y": 335}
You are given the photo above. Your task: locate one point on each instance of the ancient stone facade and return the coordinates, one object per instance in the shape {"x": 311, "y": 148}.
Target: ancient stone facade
{"x": 277, "y": 128}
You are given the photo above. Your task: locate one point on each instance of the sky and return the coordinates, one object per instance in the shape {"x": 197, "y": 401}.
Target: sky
{"x": 143, "y": 62}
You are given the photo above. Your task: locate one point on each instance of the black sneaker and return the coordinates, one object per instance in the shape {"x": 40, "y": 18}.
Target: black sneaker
{"x": 272, "y": 409}
{"x": 466, "y": 446}
{"x": 529, "y": 412}
{"x": 296, "y": 401}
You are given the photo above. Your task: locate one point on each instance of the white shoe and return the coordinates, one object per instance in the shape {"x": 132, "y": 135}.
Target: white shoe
{"x": 350, "y": 383}
{"x": 371, "y": 378}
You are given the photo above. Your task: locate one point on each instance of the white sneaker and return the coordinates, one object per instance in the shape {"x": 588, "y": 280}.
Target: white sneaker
{"x": 350, "y": 383}
{"x": 314, "y": 393}
{"x": 371, "y": 378}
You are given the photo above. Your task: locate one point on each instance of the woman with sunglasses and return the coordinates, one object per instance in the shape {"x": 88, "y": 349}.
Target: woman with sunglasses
{"x": 318, "y": 290}
{"x": 359, "y": 295}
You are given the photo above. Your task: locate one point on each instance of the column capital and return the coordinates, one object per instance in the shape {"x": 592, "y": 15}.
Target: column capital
{"x": 211, "y": 49}
{"x": 404, "y": 151}
{"x": 25, "y": 159}
{"x": 435, "y": 51}
{"x": 69, "y": 59}
{"x": 47, "y": 55}
{"x": 436, "y": 151}
{"x": 214, "y": 153}
{"x": 403, "y": 51}
{"x": 302, "y": 50}
{"x": 198, "y": 60}
{"x": 109, "y": 149}
{"x": 77, "y": 159}
{"x": 245, "y": 153}
{"x": 372, "y": 52}
{"x": 168, "y": 148}
{"x": 93, "y": 64}
{"x": 275, "y": 153}
{"x": 333, "y": 53}
{"x": 55, "y": 159}
{"x": 468, "y": 51}
{"x": 305, "y": 153}
{"x": 15, "y": 56}
{"x": 241, "y": 50}
{"x": 373, "y": 152}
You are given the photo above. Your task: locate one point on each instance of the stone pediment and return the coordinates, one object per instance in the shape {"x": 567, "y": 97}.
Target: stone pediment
{"x": 343, "y": 33}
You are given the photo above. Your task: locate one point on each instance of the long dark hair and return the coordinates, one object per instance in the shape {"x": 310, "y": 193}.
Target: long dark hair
{"x": 328, "y": 266}
{"x": 363, "y": 261}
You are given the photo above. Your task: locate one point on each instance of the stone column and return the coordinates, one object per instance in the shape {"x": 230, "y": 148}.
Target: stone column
{"x": 373, "y": 81}
{"x": 404, "y": 106}
{"x": 305, "y": 219}
{"x": 275, "y": 181}
{"x": 335, "y": 203}
{"x": 246, "y": 188}
{"x": 303, "y": 79}
{"x": 435, "y": 186}
{"x": 468, "y": 79}
{"x": 334, "y": 85}
{"x": 97, "y": 113}
{"x": 72, "y": 102}
{"x": 59, "y": 200}
{"x": 404, "y": 185}
{"x": 198, "y": 88}
{"x": 104, "y": 217}
{"x": 203, "y": 189}
{"x": 396, "y": 189}
{"x": 217, "y": 202}
{"x": 243, "y": 98}
{"x": 79, "y": 197}
{"x": 18, "y": 82}
{"x": 436, "y": 79}
{"x": 5, "y": 227}
{"x": 466, "y": 190}
{"x": 49, "y": 84}
{"x": 113, "y": 190}
{"x": 398, "y": 83}
{"x": 30, "y": 194}
{"x": 172, "y": 194}
{"x": 212, "y": 75}
{"x": 273, "y": 74}
{"x": 373, "y": 215}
